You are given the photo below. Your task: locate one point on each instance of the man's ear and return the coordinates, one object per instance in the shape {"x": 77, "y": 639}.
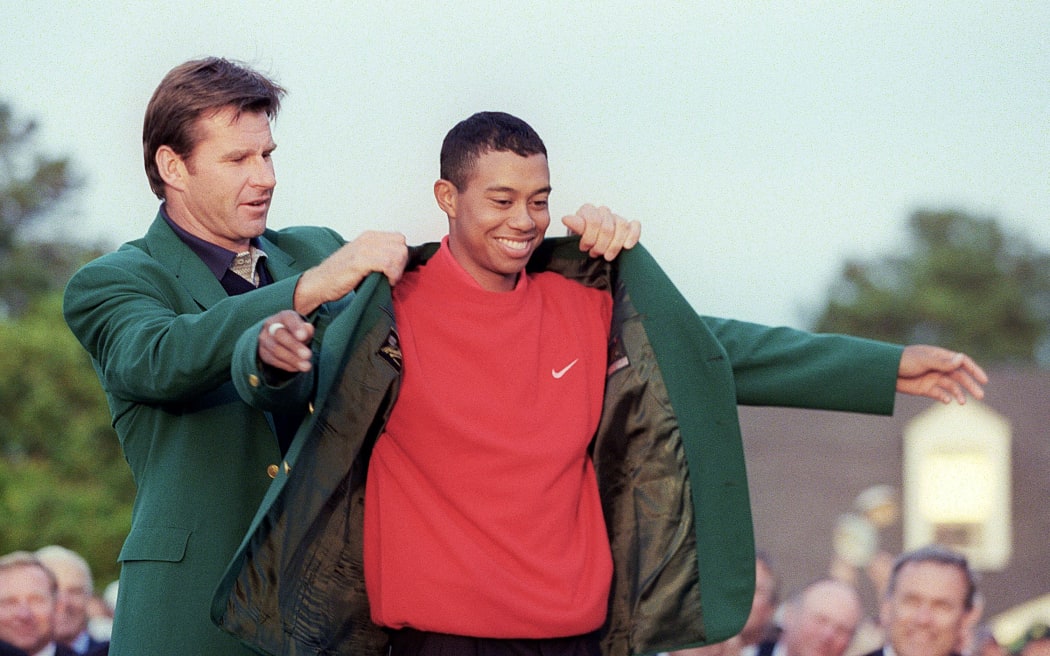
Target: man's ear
{"x": 446, "y": 195}
{"x": 973, "y": 616}
{"x": 885, "y": 611}
{"x": 790, "y": 613}
{"x": 172, "y": 167}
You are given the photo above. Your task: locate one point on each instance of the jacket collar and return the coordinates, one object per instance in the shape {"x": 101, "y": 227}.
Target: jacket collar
{"x": 198, "y": 280}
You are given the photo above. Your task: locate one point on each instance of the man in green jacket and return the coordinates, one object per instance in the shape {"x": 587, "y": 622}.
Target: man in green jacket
{"x": 662, "y": 452}
{"x": 159, "y": 318}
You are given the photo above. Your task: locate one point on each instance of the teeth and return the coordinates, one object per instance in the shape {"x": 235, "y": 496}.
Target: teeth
{"x": 516, "y": 245}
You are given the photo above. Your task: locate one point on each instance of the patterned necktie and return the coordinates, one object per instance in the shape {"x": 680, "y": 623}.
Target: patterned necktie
{"x": 246, "y": 264}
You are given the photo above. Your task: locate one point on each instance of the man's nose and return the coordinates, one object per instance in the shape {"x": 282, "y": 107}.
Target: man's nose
{"x": 263, "y": 175}
{"x": 22, "y": 609}
{"x": 522, "y": 220}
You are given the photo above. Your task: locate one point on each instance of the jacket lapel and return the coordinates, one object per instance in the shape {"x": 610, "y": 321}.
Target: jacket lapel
{"x": 197, "y": 280}
{"x": 278, "y": 262}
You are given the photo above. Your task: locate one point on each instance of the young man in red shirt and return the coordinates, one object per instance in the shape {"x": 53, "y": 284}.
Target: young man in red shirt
{"x": 483, "y": 527}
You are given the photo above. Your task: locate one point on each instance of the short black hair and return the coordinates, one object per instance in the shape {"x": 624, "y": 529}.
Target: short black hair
{"x": 481, "y": 133}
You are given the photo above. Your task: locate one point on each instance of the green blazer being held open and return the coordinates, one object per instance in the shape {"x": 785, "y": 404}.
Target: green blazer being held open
{"x": 668, "y": 455}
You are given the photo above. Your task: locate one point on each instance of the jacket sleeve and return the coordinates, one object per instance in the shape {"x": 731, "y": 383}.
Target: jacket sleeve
{"x": 149, "y": 341}
{"x": 788, "y": 367}
{"x": 257, "y": 387}
{"x": 769, "y": 366}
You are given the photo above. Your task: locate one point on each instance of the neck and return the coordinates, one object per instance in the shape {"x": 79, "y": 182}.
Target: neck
{"x": 182, "y": 217}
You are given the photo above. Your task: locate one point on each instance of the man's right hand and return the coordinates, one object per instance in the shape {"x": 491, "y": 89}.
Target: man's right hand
{"x": 343, "y": 270}
{"x": 284, "y": 342}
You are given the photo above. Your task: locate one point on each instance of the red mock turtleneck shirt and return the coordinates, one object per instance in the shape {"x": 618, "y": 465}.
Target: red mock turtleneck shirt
{"x": 482, "y": 515}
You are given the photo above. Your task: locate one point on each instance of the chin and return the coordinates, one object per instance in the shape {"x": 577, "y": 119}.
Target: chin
{"x": 516, "y": 266}
{"x": 255, "y": 227}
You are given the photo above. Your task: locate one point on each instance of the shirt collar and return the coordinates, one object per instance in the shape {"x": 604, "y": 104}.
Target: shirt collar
{"x": 49, "y": 650}
{"x": 81, "y": 643}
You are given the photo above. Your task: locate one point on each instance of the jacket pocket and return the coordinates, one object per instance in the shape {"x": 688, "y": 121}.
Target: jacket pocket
{"x": 163, "y": 543}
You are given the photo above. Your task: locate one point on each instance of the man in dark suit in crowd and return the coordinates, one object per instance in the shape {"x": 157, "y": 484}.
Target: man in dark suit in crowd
{"x": 75, "y": 588}
{"x": 28, "y": 598}
{"x": 819, "y": 621}
{"x": 760, "y": 625}
{"x": 928, "y": 599}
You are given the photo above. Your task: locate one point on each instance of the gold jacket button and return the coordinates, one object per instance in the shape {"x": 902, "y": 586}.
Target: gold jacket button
{"x": 253, "y": 380}
{"x": 272, "y": 470}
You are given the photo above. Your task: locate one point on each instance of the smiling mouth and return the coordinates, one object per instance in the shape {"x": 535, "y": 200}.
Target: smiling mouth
{"x": 515, "y": 244}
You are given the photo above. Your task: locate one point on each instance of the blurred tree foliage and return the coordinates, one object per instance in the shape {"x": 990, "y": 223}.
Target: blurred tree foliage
{"x": 32, "y": 189}
{"x": 962, "y": 283}
{"x": 63, "y": 479}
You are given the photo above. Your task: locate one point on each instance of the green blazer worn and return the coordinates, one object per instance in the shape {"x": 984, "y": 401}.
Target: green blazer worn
{"x": 668, "y": 456}
{"x": 160, "y": 330}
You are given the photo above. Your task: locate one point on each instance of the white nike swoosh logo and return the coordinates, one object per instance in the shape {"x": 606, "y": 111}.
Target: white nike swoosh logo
{"x": 559, "y": 374}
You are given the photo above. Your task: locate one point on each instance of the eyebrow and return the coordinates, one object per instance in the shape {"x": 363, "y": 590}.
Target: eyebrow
{"x": 241, "y": 152}
{"x": 505, "y": 189}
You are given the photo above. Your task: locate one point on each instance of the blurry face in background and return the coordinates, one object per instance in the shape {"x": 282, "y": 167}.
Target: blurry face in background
{"x": 74, "y": 592}
{"x": 823, "y": 621}
{"x": 27, "y": 608}
{"x": 924, "y": 615}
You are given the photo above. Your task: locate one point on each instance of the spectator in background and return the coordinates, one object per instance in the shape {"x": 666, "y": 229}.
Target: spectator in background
{"x": 928, "y": 600}
{"x": 28, "y": 595}
{"x": 760, "y": 626}
{"x": 76, "y": 587}
{"x": 819, "y": 621}
{"x": 100, "y": 613}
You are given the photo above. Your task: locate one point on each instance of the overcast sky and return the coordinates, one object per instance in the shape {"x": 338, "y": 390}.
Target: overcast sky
{"x": 761, "y": 144}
